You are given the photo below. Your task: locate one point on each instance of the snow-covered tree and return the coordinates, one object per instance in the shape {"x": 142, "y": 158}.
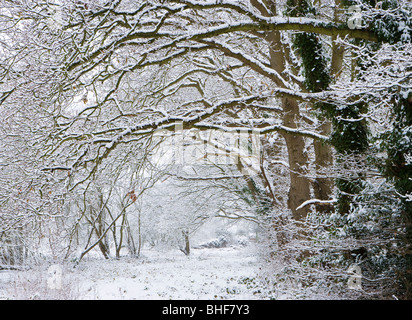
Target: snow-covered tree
{"x": 90, "y": 78}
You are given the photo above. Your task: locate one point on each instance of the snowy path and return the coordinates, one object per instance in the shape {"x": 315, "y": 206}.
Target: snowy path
{"x": 206, "y": 274}
{"x": 223, "y": 273}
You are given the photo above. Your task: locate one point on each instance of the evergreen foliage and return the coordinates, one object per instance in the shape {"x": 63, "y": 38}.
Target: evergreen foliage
{"x": 391, "y": 28}
{"x": 398, "y": 145}
{"x": 366, "y": 212}
{"x": 350, "y": 133}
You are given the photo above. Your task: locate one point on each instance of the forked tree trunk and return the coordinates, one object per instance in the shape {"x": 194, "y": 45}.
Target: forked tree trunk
{"x": 299, "y": 190}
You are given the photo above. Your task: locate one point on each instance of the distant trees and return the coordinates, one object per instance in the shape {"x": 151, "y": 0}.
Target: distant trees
{"x": 104, "y": 205}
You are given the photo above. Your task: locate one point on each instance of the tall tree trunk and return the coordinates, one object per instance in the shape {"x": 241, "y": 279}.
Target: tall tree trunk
{"x": 299, "y": 190}
{"x": 323, "y": 185}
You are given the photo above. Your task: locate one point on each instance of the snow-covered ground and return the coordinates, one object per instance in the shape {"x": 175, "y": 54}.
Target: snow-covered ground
{"x": 212, "y": 273}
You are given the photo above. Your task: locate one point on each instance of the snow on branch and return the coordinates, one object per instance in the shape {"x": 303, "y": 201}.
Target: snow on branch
{"x": 316, "y": 201}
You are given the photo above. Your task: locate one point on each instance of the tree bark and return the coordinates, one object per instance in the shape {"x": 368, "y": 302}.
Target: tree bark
{"x": 323, "y": 185}
{"x": 299, "y": 189}
{"x": 186, "y": 249}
